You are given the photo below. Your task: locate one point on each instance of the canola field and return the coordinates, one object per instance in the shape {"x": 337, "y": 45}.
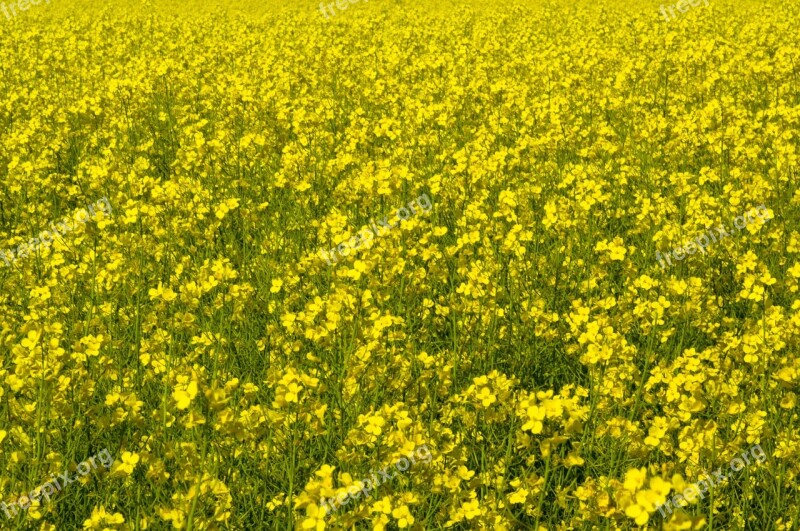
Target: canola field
{"x": 474, "y": 264}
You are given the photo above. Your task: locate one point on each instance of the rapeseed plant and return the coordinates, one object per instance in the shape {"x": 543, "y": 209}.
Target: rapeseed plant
{"x": 520, "y": 330}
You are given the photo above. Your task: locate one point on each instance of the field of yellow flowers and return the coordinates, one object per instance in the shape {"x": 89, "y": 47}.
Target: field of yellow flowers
{"x": 176, "y": 352}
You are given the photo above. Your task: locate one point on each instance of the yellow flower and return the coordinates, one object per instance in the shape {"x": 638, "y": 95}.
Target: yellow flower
{"x": 165, "y": 294}
{"x": 471, "y": 509}
{"x": 383, "y": 505}
{"x": 574, "y": 459}
{"x": 486, "y": 397}
{"x": 103, "y": 520}
{"x": 519, "y": 496}
{"x": 787, "y": 402}
{"x": 126, "y": 465}
{"x": 635, "y": 478}
{"x": 292, "y": 392}
{"x": 374, "y": 425}
{"x": 638, "y": 513}
{"x": 536, "y": 415}
{"x": 184, "y": 393}
{"x": 315, "y": 517}
{"x": 403, "y": 517}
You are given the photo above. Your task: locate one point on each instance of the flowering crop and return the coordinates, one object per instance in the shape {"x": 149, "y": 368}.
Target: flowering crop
{"x": 520, "y": 329}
